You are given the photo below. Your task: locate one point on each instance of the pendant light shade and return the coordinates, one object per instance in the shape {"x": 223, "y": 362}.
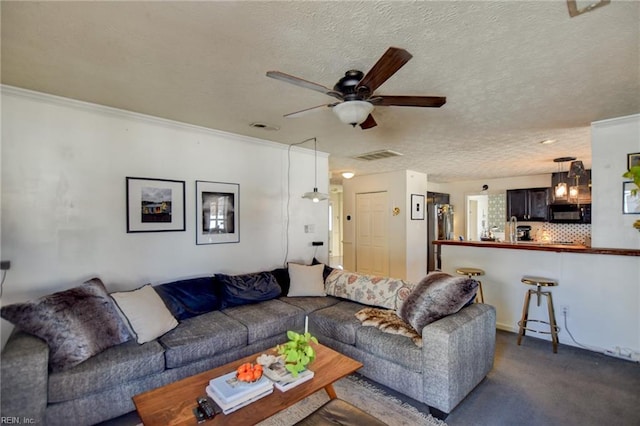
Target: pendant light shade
{"x": 561, "y": 190}
{"x": 314, "y": 195}
{"x": 353, "y": 112}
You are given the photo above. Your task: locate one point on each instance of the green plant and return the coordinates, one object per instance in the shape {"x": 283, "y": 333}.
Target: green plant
{"x": 298, "y": 351}
{"x": 634, "y": 174}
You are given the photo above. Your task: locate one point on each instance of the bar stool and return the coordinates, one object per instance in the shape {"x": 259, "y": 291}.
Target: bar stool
{"x": 472, "y": 273}
{"x": 553, "y": 327}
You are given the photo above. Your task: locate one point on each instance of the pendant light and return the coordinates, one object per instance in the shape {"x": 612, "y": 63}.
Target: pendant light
{"x": 314, "y": 195}
{"x": 561, "y": 191}
{"x": 576, "y": 170}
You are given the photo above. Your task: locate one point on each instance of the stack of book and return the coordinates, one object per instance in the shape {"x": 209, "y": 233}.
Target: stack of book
{"x": 282, "y": 379}
{"x": 231, "y": 394}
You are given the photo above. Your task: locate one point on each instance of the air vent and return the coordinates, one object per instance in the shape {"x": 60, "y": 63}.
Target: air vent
{"x": 377, "y": 155}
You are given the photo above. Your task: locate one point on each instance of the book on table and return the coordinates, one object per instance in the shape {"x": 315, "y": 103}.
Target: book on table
{"x": 282, "y": 379}
{"x": 230, "y": 393}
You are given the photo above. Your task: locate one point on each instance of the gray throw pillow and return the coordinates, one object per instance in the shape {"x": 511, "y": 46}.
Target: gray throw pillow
{"x": 76, "y": 324}
{"x": 436, "y": 296}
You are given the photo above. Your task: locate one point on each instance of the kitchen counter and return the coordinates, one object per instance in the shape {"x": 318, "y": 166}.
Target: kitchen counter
{"x": 538, "y": 246}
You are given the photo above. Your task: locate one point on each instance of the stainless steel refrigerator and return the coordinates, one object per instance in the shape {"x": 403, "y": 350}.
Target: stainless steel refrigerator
{"x": 439, "y": 225}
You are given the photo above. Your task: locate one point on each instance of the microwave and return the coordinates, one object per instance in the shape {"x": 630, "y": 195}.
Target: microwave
{"x": 570, "y": 213}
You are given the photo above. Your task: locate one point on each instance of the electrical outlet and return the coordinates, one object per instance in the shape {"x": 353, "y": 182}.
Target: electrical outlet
{"x": 5, "y": 265}
{"x": 565, "y": 310}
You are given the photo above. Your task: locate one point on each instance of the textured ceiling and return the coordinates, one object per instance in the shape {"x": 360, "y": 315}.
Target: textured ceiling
{"x": 514, "y": 72}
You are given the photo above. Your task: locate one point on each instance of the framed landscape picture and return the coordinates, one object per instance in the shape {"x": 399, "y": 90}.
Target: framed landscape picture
{"x": 217, "y": 212}
{"x": 633, "y": 160}
{"x": 155, "y": 205}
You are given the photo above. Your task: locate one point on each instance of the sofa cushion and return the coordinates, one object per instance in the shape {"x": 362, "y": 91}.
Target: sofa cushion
{"x": 338, "y": 321}
{"x": 267, "y": 319}
{"x": 282, "y": 277}
{"x": 311, "y": 303}
{"x": 191, "y": 297}
{"x": 436, "y": 296}
{"x": 76, "y": 324}
{"x": 395, "y": 348}
{"x": 306, "y": 280}
{"x": 369, "y": 290}
{"x": 247, "y": 288}
{"x": 146, "y": 313}
{"x": 111, "y": 368}
{"x": 202, "y": 336}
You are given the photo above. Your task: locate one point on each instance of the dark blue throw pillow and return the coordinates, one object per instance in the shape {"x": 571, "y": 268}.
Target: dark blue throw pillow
{"x": 282, "y": 277}
{"x": 247, "y": 288}
{"x": 191, "y": 297}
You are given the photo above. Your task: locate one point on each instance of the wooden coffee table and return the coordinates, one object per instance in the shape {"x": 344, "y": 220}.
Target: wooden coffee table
{"x": 173, "y": 404}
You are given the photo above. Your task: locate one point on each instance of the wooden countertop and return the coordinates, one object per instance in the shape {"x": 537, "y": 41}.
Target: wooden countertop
{"x": 521, "y": 245}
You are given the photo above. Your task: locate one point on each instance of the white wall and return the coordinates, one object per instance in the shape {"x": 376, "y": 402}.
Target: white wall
{"x": 611, "y": 141}
{"x": 407, "y": 238}
{"x": 64, "y": 165}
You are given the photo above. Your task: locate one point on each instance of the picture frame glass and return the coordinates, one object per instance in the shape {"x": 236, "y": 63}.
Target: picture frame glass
{"x": 630, "y": 202}
{"x": 217, "y": 212}
{"x": 155, "y": 205}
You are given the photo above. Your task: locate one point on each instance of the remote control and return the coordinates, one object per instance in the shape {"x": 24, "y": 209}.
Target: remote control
{"x": 200, "y": 418}
{"x": 207, "y": 406}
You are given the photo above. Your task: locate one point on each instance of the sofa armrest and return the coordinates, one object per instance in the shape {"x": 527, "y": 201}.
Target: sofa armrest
{"x": 24, "y": 373}
{"x": 458, "y": 353}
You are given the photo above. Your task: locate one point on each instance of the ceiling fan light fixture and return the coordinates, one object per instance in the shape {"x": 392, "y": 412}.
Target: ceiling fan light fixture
{"x": 353, "y": 112}
{"x": 348, "y": 175}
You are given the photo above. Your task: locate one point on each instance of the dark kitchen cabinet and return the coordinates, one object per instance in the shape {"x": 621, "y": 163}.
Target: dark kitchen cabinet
{"x": 528, "y": 204}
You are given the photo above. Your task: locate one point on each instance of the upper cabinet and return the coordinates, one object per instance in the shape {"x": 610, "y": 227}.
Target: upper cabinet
{"x": 578, "y": 192}
{"x": 528, "y": 204}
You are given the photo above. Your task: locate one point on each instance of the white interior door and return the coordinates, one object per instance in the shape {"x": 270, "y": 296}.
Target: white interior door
{"x": 472, "y": 220}
{"x": 372, "y": 239}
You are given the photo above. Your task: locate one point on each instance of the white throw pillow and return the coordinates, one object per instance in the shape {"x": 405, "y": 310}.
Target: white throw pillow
{"x": 306, "y": 280}
{"x": 146, "y": 313}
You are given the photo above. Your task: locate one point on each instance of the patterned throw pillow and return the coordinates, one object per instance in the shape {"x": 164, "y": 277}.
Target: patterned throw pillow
{"x": 76, "y": 324}
{"x": 436, "y": 296}
{"x": 369, "y": 290}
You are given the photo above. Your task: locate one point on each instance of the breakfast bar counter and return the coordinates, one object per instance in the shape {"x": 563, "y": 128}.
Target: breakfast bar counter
{"x": 597, "y": 296}
{"x": 539, "y": 246}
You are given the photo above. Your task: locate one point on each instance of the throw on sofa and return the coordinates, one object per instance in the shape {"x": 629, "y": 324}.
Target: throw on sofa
{"x": 240, "y": 315}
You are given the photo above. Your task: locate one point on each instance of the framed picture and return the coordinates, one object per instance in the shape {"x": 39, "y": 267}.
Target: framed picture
{"x": 633, "y": 160}
{"x": 155, "y": 205}
{"x": 217, "y": 212}
{"x": 417, "y": 207}
{"x": 630, "y": 203}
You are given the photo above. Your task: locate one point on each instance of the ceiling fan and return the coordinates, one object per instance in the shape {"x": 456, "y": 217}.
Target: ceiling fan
{"x": 355, "y": 91}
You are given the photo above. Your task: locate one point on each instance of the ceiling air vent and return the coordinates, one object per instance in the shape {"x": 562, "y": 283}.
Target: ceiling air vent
{"x": 377, "y": 155}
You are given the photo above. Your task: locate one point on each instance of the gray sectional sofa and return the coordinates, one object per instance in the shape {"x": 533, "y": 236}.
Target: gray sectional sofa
{"x": 457, "y": 354}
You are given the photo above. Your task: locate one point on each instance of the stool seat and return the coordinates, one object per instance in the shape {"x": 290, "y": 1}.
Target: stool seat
{"x": 470, "y": 271}
{"x": 544, "y": 282}
{"x": 473, "y": 272}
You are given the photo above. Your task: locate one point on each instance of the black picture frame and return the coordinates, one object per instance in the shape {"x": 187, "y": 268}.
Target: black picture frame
{"x": 217, "y": 212}
{"x": 633, "y": 159}
{"x": 155, "y": 205}
{"x": 417, "y": 207}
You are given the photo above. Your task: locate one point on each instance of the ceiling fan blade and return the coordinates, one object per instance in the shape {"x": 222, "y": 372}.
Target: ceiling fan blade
{"x": 392, "y": 60}
{"x": 368, "y": 123}
{"x": 303, "y": 83}
{"x": 413, "y": 101}
{"x": 308, "y": 110}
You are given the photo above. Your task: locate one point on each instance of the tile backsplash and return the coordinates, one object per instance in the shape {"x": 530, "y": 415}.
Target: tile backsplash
{"x": 575, "y": 232}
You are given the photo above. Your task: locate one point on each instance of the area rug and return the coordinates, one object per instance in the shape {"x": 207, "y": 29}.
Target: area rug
{"x": 364, "y": 396}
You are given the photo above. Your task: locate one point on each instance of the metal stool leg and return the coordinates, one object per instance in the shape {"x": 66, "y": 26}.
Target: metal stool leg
{"x": 552, "y": 323}
{"x": 525, "y": 316}
{"x": 479, "y": 298}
